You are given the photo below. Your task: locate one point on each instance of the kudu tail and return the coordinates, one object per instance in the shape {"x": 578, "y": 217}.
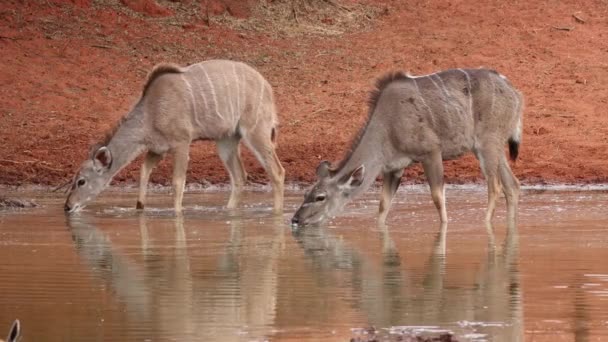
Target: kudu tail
{"x": 515, "y": 140}
{"x": 513, "y": 149}
{"x": 273, "y": 136}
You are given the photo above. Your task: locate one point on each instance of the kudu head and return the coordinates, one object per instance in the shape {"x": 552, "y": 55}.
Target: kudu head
{"x": 91, "y": 179}
{"x": 328, "y": 195}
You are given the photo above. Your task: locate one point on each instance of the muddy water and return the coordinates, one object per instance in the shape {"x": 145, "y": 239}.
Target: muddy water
{"x": 110, "y": 273}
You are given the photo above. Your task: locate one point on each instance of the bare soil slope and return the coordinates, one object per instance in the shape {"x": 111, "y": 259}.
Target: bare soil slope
{"x": 70, "y": 69}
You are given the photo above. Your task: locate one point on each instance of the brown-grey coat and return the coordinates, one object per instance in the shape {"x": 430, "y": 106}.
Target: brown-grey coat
{"x": 218, "y": 100}
{"x": 426, "y": 119}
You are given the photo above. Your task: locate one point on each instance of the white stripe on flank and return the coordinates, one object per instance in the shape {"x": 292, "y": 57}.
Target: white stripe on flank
{"x": 193, "y": 99}
{"x": 200, "y": 91}
{"x": 513, "y": 93}
{"x": 451, "y": 98}
{"x": 470, "y": 94}
{"x": 227, "y": 92}
{"x": 443, "y": 94}
{"x": 517, "y": 109}
{"x": 238, "y": 90}
{"x": 420, "y": 76}
{"x": 516, "y": 100}
{"x": 257, "y": 108}
{"x": 422, "y": 98}
{"x": 445, "y": 89}
{"x": 493, "y": 96}
{"x": 212, "y": 89}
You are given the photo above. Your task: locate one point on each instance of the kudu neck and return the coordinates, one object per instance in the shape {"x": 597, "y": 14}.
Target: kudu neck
{"x": 368, "y": 153}
{"x": 128, "y": 140}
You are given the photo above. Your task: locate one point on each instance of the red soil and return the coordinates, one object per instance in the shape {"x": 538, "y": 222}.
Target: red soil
{"x": 71, "y": 68}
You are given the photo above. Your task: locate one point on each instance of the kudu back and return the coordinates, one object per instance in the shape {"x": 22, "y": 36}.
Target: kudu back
{"x": 426, "y": 119}
{"x": 218, "y": 100}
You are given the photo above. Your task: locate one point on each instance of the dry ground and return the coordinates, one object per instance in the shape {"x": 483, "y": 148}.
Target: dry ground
{"x": 70, "y": 69}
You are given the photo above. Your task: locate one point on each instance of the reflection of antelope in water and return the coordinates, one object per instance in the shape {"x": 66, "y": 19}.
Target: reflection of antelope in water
{"x": 115, "y": 270}
{"x": 249, "y": 268}
{"x": 498, "y": 295}
{"x": 218, "y": 100}
{"x": 391, "y": 298}
{"x": 241, "y": 292}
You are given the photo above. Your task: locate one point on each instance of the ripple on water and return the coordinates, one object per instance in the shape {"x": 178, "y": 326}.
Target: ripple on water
{"x": 115, "y": 273}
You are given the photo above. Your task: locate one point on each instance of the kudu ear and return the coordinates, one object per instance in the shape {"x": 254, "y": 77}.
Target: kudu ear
{"x": 324, "y": 170}
{"x": 356, "y": 177}
{"x": 102, "y": 158}
{"x": 15, "y": 332}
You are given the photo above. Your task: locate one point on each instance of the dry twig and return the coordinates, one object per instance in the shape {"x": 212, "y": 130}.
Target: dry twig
{"x": 563, "y": 28}
{"x": 578, "y": 18}
{"x": 331, "y": 2}
{"x": 62, "y": 186}
{"x": 295, "y": 13}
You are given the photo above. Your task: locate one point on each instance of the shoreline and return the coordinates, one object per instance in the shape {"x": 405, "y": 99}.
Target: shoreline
{"x": 302, "y": 186}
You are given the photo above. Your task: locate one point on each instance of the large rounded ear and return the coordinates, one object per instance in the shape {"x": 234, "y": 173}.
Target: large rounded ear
{"x": 356, "y": 177}
{"x": 102, "y": 158}
{"x": 15, "y": 332}
{"x": 324, "y": 170}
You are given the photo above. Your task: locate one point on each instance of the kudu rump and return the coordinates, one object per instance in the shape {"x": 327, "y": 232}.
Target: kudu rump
{"x": 426, "y": 119}
{"x": 216, "y": 100}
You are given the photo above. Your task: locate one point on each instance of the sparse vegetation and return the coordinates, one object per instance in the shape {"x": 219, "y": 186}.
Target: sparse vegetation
{"x": 305, "y": 17}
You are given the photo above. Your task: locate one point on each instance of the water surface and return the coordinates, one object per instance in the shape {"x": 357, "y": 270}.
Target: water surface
{"x": 111, "y": 273}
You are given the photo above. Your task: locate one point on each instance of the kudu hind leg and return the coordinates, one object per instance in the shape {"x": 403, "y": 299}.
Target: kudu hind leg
{"x": 510, "y": 189}
{"x": 433, "y": 169}
{"x": 180, "y": 166}
{"x": 150, "y": 161}
{"x": 494, "y": 188}
{"x": 230, "y": 154}
{"x": 390, "y": 184}
{"x": 261, "y": 144}
{"x": 488, "y": 160}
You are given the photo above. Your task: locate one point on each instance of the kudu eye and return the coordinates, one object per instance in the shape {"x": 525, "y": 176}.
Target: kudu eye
{"x": 320, "y": 198}
{"x": 81, "y": 182}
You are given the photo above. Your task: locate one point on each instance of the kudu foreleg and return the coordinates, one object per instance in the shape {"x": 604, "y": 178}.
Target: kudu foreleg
{"x": 390, "y": 183}
{"x": 180, "y": 166}
{"x": 433, "y": 169}
{"x": 150, "y": 161}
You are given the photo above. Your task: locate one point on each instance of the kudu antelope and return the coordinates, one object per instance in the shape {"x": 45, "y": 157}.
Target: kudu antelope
{"x": 14, "y": 334}
{"x": 425, "y": 119}
{"x": 218, "y": 100}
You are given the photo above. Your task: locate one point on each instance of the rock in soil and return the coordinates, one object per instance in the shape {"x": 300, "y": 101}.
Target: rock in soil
{"x": 372, "y": 336}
